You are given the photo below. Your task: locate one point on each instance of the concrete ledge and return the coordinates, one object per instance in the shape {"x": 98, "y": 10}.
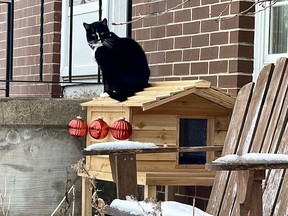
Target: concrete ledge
{"x": 40, "y": 111}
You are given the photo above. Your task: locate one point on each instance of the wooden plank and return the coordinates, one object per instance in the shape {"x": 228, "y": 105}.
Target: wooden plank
{"x": 217, "y": 97}
{"x": 150, "y": 191}
{"x": 125, "y": 175}
{"x": 150, "y": 105}
{"x": 151, "y": 150}
{"x": 154, "y": 122}
{"x": 275, "y": 179}
{"x": 197, "y": 83}
{"x": 251, "y": 201}
{"x": 169, "y": 193}
{"x": 235, "y": 127}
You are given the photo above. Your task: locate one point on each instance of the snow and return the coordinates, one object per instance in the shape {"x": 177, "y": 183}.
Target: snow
{"x": 120, "y": 145}
{"x": 168, "y": 208}
{"x": 253, "y": 158}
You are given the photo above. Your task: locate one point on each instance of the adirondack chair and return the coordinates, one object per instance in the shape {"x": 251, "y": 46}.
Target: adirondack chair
{"x": 258, "y": 125}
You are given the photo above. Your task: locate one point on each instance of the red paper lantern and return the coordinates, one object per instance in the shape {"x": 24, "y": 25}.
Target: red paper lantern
{"x": 121, "y": 129}
{"x": 98, "y": 129}
{"x": 77, "y": 127}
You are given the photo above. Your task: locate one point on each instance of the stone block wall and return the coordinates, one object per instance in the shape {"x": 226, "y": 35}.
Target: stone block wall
{"x": 36, "y": 154}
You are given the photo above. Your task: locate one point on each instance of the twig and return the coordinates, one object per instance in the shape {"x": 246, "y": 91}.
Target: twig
{"x": 151, "y": 14}
{"x": 64, "y": 198}
{"x": 259, "y": 2}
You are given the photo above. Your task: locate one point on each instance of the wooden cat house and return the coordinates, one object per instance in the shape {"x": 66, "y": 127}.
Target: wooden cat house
{"x": 170, "y": 114}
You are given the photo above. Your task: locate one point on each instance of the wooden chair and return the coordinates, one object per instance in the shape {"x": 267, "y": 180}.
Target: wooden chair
{"x": 258, "y": 125}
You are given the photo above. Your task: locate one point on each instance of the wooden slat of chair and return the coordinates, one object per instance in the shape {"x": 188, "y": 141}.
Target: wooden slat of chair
{"x": 281, "y": 208}
{"x": 235, "y": 128}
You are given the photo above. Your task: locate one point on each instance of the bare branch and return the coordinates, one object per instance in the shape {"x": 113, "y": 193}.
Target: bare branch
{"x": 152, "y": 14}
{"x": 247, "y": 11}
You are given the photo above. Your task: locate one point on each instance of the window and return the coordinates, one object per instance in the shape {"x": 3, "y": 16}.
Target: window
{"x": 192, "y": 133}
{"x": 271, "y": 31}
{"x": 84, "y": 66}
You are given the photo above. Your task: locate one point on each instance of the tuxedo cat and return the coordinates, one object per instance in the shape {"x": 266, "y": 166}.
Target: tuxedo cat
{"x": 122, "y": 61}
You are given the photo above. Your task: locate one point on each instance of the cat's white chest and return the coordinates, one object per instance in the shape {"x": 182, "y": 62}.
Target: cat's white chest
{"x": 95, "y": 47}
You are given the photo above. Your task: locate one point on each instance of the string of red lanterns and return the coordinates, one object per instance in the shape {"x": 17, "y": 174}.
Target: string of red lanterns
{"x": 99, "y": 129}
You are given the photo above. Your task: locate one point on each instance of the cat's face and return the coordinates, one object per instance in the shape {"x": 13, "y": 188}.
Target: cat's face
{"x": 96, "y": 32}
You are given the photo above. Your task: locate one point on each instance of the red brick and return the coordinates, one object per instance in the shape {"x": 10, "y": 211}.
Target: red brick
{"x": 233, "y": 81}
{"x": 209, "y": 53}
{"x": 221, "y": 9}
{"x": 191, "y": 27}
{"x": 157, "y": 7}
{"x": 219, "y": 38}
{"x": 209, "y": 25}
{"x": 200, "y": 12}
{"x": 242, "y": 36}
{"x": 183, "y": 42}
{"x": 183, "y": 15}
{"x": 143, "y": 34}
{"x": 200, "y": 40}
{"x": 212, "y": 79}
{"x": 157, "y": 32}
{"x": 241, "y": 66}
{"x": 199, "y": 68}
{"x": 242, "y": 6}
{"x": 150, "y": 45}
{"x": 181, "y": 69}
{"x": 174, "y": 56}
{"x": 165, "y": 18}
{"x": 164, "y": 70}
{"x": 218, "y": 66}
{"x": 157, "y": 57}
{"x": 166, "y": 44}
{"x": 150, "y": 21}
{"x": 173, "y": 30}
{"x": 191, "y": 54}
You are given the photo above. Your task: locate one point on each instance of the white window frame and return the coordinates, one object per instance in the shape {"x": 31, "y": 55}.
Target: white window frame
{"x": 114, "y": 11}
{"x": 261, "y": 48}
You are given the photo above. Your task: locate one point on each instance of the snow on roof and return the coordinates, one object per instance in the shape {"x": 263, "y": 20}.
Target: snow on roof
{"x": 160, "y": 93}
{"x": 252, "y": 158}
{"x": 168, "y": 208}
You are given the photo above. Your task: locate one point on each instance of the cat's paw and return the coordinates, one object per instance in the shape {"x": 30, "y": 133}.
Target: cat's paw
{"x": 104, "y": 95}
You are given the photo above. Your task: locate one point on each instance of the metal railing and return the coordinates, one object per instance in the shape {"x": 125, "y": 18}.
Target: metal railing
{"x": 9, "y": 52}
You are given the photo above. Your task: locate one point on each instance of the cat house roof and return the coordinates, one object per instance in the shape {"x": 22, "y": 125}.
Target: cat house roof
{"x": 160, "y": 93}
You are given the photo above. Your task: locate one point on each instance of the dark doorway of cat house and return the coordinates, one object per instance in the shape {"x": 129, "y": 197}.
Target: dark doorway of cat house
{"x": 192, "y": 133}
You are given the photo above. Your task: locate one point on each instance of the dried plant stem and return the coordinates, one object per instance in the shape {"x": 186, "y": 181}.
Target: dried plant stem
{"x": 246, "y": 11}
{"x": 64, "y": 198}
{"x": 4, "y": 210}
{"x": 151, "y": 14}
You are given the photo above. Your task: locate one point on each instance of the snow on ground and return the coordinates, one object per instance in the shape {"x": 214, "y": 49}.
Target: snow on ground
{"x": 253, "y": 158}
{"x": 120, "y": 145}
{"x": 168, "y": 208}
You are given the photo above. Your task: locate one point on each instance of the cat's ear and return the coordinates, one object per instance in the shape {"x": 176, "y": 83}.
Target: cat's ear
{"x": 86, "y": 26}
{"x": 104, "y": 21}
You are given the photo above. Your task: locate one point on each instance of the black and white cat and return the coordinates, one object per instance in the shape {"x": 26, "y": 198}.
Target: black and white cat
{"x": 122, "y": 61}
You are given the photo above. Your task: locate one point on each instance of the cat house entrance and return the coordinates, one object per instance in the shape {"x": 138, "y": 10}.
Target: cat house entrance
{"x": 192, "y": 133}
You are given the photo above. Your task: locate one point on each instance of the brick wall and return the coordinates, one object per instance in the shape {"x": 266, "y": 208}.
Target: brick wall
{"x": 26, "y": 47}
{"x": 187, "y": 43}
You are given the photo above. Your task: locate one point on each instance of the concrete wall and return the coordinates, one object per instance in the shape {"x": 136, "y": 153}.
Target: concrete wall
{"x": 35, "y": 152}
